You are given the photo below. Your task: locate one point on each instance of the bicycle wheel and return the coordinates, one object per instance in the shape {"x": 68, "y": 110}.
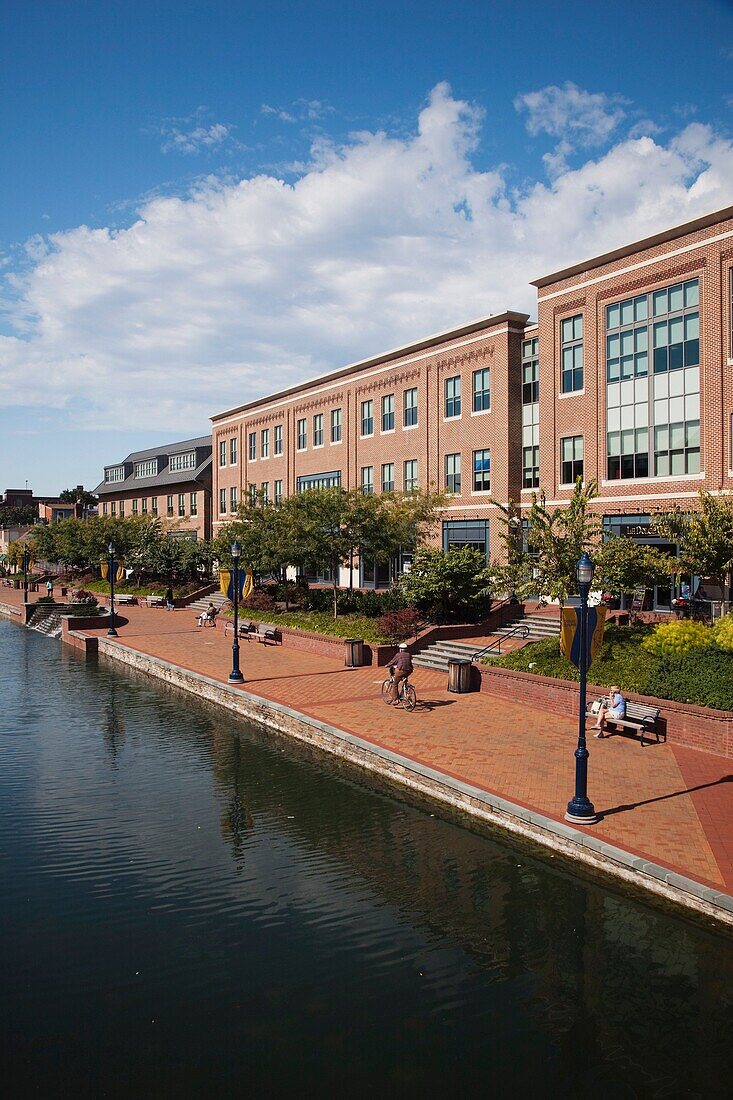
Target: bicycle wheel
{"x": 409, "y": 697}
{"x": 385, "y": 692}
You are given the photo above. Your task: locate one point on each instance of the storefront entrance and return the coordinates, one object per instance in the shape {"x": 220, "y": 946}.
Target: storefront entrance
{"x": 639, "y": 528}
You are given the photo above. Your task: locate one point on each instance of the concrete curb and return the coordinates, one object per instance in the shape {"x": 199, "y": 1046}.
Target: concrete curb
{"x": 663, "y": 884}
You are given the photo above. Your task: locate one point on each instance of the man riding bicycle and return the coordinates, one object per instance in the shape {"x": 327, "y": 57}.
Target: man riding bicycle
{"x": 400, "y": 667}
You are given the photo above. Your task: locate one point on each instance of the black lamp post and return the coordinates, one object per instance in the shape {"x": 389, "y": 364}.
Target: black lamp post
{"x": 581, "y": 810}
{"x": 26, "y": 558}
{"x": 235, "y": 676}
{"x": 112, "y": 633}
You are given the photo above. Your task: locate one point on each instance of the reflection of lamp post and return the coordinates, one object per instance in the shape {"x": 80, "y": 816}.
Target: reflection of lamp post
{"x": 581, "y": 810}
{"x": 112, "y": 570}
{"x": 26, "y": 557}
{"x": 235, "y": 676}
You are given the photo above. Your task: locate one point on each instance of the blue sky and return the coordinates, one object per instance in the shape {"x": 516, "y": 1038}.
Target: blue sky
{"x": 203, "y": 202}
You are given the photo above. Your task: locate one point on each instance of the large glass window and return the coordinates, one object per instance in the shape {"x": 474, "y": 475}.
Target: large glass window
{"x": 115, "y": 473}
{"x": 388, "y": 477}
{"x": 571, "y": 459}
{"x": 453, "y": 396}
{"x": 302, "y": 434}
{"x": 453, "y": 473}
{"x": 409, "y": 478}
{"x": 410, "y": 407}
{"x": 318, "y": 430}
{"x": 335, "y": 425}
{"x": 265, "y": 443}
{"x": 252, "y": 446}
{"x": 149, "y": 468}
{"x": 531, "y": 413}
{"x": 481, "y": 390}
{"x": 367, "y": 417}
{"x": 367, "y": 479}
{"x": 319, "y": 481}
{"x": 653, "y": 400}
{"x": 388, "y": 412}
{"x": 467, "y": 532}
{"x": 482, "y": 471}
{"x": 571, "y": 353}
{"x": 278, "y": 439}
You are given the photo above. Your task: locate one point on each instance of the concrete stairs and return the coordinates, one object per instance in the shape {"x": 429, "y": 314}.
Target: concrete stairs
{"x": 46, "y": 622}
{"x": 218, "y": 599}
{"x": 437, "y": 655}
{"x": 537, "y": 627}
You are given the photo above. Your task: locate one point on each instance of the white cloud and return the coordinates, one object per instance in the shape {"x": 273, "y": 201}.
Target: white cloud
{"x": 242, "y": 287}
{"x": 577, "y": 117}
{"x": 192, "y": 134}
{"x": 301, "y": 110}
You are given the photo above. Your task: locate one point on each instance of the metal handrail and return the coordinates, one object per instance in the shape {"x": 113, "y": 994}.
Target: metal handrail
{"x": 520, "y": 631}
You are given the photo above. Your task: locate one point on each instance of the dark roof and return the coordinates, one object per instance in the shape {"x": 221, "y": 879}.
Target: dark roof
{"x": 166, "y": 477}
{"x": 638, "y": 246}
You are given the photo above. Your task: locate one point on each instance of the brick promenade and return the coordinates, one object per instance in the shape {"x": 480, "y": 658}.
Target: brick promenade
{"x": 671, "y": 805}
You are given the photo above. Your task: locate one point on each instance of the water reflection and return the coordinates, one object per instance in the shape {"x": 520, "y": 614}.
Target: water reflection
{"x": 194, "y": 907}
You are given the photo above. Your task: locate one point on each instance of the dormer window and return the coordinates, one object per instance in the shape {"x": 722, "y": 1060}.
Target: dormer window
{"x": 149, "y": 468}
{"x": 185, "y": 461}
{"x": 114, "y": 473}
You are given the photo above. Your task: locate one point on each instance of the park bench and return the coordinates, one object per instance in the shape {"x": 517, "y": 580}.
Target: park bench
{"x": 265, "y": 633}
{"x": 244, "y": 629}
{"x": 123, "y": 598}
{"x": 156, "y": 601}
{"x": 640, "y": 718}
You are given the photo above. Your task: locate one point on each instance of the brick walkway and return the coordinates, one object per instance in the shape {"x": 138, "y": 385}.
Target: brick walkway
{"x": 673, "y": 806}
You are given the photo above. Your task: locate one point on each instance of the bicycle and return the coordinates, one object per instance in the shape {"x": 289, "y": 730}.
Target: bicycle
{"x": 407, "y": 694}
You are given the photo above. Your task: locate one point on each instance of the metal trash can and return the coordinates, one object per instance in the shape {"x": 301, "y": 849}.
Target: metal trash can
{"x": 459, "y": 676}
{"x": 354, "y": 652}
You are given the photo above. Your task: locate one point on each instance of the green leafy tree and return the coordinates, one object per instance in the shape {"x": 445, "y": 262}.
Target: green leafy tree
{"x": 623, "y": 565}
{"x": 448, "y": 585}
{"x": 514, "y": 574}
{"x": 23, "y": 515}
{"x": 556, "y": 538}
{"x": 704, "y": 537}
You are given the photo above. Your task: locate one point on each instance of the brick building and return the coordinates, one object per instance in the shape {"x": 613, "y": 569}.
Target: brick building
{"x": 173, "y": 483}
{"x": 625, "y": 377}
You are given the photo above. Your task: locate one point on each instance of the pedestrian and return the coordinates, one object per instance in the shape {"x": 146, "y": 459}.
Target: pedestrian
{"x": 49, "y": 588}
{"x": 400, "y": 666}
{"x": 169, "y": 599}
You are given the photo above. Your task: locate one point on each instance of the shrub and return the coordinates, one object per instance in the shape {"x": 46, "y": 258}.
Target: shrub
{"x": 678, "y": 638}
{"x": 259, "y": 600}
{"x": 398, "y": 625}
{"x": 80, "y": 595}
{"x": 723, "y": 633}
{"x": 707, "y": 681}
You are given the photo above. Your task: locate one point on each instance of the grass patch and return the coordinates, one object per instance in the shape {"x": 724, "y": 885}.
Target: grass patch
{"x": 703, "y": 677}
{"x": 125, "y": 588}
{"x": 320, "y": 622}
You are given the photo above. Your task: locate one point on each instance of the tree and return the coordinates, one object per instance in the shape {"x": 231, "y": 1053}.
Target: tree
{"x": 623, "y": 565}
{"x": 704, "y": 537}
{"x": 79, "y": 495}
{"x": 22, "y": 515}
{"x": 515, "y": 574}
{"x": 556, "y": 537}
{"x": 447, "y": 585}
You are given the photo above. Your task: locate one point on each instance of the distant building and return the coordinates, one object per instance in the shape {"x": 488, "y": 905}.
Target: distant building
{"x": 172, "y": 483}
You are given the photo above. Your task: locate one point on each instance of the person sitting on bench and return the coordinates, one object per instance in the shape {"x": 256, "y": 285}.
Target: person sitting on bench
{"x": 208, "y": 616}
{"x": 611, "y": 708}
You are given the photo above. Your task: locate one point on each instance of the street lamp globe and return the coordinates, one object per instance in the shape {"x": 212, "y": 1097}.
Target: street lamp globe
{"x": 235, "y": 550}
{"x": 584, "y": 571}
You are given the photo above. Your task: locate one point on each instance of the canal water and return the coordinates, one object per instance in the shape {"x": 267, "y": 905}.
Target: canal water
{"x": 191, "y": 908}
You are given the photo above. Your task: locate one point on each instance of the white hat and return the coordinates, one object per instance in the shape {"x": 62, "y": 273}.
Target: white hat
{"x": 402, "y": 645}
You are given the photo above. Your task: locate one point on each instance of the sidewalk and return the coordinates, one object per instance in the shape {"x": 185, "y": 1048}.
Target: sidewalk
{"x": 670, "y": 805}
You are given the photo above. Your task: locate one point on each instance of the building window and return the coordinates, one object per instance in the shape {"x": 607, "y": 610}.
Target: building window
{"x": 482, "y": 471}
{"x": 530, "y": 413}
{"x": 181, "y": 504}
{"x": 252, "y": 446}
{"x": 222, "y": 501}
{"x": 367, "y": 479}
{"x": 530, "y": 371}
{"x": 233, "y": 499}
{"x": 122, "y": 509}
{"x": 453, "y": 473}
{"x": 265, "y": 490}
{"x": 410, "y": 407}
{"x": 388, "y": 477}
{"x": 278, "y": 439}
{"x": 367, "y": 417}
{"x": 335, "y": 425}
{"x": 113, "y": 508}
{"x": 233, "y": 451}
{"x": 571, "y": 353}
{"x": 265, "y": 443}
{"x": 278, "y": 492}
{"x": 481, "y": 390}
{"x": 115, "y": 473}
{"x": 187, "y": 461}
{"x": 253, "y": 495}
{"x": 104, "y": 508}
{"x": 453, "y": 396}
{"x": 193, "y": 504}
{"x": 571, "y": 459}
{"x": 409, "y": 476}
{"x": 169, "y": 504}
{"x": 462, "y": 533}
{"x": 222, "y": 452}
{"x": 388, "y": 413}
{"x": 134, "y": 506}
{"x": 154, "y": 506}
{"x": 302, "y": 434}
{"x": 330, "y": 480}
{"x": 148, "y": 468}
{"x": 652, "y": 401}
{"x": 318, "y": 430}
{"x": 145, "y": 506}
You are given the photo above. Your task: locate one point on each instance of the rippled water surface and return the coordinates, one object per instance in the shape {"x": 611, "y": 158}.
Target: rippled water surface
{"x": 192, "y": 909}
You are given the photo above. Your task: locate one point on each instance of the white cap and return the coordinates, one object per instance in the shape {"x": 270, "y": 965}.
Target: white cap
{"x": 402, "y": 645}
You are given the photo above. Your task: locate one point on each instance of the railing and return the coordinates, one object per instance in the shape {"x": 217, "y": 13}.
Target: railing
{"x": 520, "y": 631}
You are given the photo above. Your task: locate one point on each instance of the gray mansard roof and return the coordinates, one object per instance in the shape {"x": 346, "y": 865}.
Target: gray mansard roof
{"x": 201, "y": 473}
